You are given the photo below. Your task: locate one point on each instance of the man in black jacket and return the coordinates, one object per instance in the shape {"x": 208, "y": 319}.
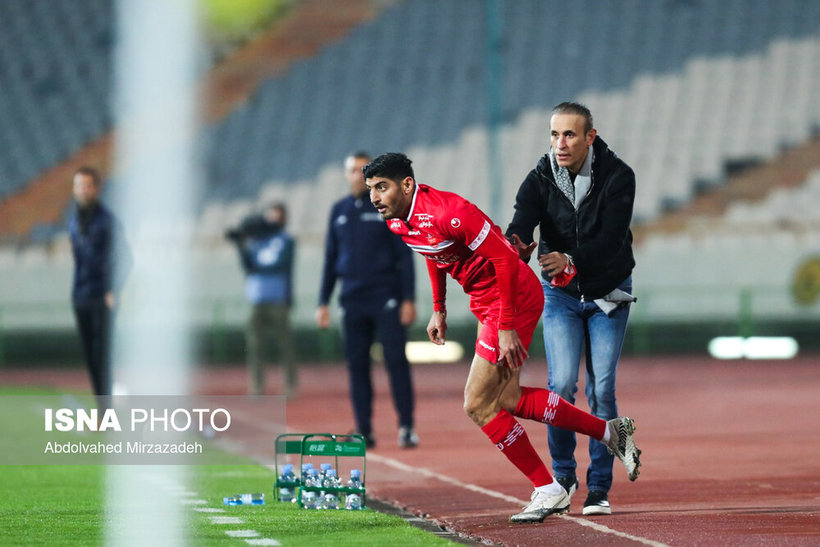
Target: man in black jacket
{"x": 580, "y": 195}
{"x": 101, "y": 262}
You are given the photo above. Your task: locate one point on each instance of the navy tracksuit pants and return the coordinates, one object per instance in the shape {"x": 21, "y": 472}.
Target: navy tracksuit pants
{"x": 361, "y": 324}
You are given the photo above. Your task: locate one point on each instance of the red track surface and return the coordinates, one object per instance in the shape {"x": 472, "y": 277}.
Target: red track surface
{"x": 731, "y": 451}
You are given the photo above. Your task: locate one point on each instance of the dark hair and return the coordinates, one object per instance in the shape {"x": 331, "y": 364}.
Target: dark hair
{"x": 577, "y": 109}
{"x": 89, "y": 171}
{"x": 279, "y": 206}
{"x": 393, "y": 165}
{"x": 360, "y": 155}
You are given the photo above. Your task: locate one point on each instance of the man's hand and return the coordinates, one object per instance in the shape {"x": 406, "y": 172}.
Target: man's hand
{"x": 323, "y": 317}
{"x": 437, "y": 327}
{"x": 524, "y": 250}
{"x": 110, "y": 300}
{"x": 511, "y": 349}
{"x": 553, "y": 263}
{"x": 407, "y": 313}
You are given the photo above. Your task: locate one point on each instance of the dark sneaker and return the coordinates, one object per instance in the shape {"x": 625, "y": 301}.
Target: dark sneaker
{"x": 369, "y": 439}
{"x": 597, "y": 504}
{"x": 408, "y": 437}
{"x": 570, "y": 484}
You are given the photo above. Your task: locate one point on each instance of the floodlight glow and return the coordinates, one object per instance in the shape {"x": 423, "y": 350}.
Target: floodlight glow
{"x": 770, "y": 347}
{"x": 428, "y": 352}
{"x": 754, "y": 347}
{"x": 726, "y": 347}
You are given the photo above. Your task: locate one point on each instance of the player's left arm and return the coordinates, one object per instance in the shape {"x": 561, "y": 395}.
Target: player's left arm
{"x": 437, "y": 326}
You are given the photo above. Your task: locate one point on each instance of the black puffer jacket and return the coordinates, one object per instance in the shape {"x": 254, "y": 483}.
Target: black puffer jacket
{"x": 597, "y": 236}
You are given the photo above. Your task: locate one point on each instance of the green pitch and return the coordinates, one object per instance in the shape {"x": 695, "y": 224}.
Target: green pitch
{"x": 66, "y": 505}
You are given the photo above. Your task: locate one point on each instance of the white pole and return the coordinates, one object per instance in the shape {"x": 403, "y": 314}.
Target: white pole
{"x": 155, "y": 186}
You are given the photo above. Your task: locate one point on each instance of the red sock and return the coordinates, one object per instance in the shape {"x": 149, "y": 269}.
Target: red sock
{"x": 545, "y": 406}
{"x": 512, "y": 440}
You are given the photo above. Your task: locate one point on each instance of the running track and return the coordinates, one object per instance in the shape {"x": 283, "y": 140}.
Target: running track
{"x": 731, "y": 451}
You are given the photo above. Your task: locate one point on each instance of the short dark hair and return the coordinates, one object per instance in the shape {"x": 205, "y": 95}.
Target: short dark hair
{"x": 393, "y": 165}
{"x": 359, "y": 155}
{"x": 578, "y": 109}
{"x": 279, "y": 206}
{"x": 89, "y": 171}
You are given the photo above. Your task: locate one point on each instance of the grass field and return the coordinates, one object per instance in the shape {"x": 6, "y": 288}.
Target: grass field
{"x": 66, "y": 505}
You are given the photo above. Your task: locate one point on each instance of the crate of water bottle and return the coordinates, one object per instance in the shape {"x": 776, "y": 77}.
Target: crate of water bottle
{"x": 324, "y": 489}
{"x": 328, "y": 473}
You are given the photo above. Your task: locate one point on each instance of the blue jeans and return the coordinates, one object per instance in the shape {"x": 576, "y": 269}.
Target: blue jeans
{"x": 570, "y": 327}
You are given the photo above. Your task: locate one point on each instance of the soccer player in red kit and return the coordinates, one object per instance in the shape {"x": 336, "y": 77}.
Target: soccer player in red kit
{"x": 456, "y": 237}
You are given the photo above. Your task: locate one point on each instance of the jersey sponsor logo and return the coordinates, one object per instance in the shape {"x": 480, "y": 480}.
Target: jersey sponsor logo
{"x": 485, "y": 345}
{"x": 425, "y": 220}
{"x": 455, "y": 223}
{"x": 482, "y": 235}
{"x": 446, "y": 258}
{"x": 414, "y": 233}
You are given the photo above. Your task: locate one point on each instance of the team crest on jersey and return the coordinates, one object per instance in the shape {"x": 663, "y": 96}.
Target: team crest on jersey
{"x": 425, "y": 220}
{"x": 455, "y": 223}
{"x": 395, "y": 224}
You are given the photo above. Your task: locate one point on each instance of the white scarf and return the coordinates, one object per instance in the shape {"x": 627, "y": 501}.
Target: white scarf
{"x": 577, "y": 191}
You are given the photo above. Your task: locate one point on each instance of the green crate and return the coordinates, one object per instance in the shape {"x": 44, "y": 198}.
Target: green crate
{"x": 310, "y": 445}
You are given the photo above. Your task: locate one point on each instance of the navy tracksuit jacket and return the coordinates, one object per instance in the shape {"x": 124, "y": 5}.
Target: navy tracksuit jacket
{"x": 375, "y": 268}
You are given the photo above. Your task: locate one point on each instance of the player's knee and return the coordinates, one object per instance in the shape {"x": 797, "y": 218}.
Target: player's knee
{"x": 478, "y": 410}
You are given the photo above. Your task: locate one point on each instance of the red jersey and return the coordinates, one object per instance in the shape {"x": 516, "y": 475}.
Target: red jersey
{"x": 457, "y": 238}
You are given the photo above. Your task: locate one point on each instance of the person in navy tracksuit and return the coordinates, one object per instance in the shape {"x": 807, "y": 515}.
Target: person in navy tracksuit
{"x": 377, "y": 296}
{"x": 101, "y": 262}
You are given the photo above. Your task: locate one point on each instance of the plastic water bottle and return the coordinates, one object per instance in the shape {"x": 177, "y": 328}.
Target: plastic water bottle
{"x": 310, "y": 500}
{"x": 232, "y": 500}
{"x": 255, "y": 498}
{"x": 287, "y": 481}
{"x": 324, "y": 468}
{"x": 330, "y": 501}
{"x": 313, "y": 478}
{"x": 353, "y": 502}
{"x": 331, "y": 481}
{"x": 305, "y": 468}
{"x": 355, "y": 479}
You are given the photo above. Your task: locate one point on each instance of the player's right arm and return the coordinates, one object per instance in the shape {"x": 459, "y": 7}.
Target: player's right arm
{"x": 437, "y": 327}
{"x": 328, "y": 272}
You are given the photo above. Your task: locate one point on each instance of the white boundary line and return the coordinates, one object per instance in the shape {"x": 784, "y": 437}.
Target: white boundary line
{"x": 188, "y": 497}
{"x": 494, "y": 494}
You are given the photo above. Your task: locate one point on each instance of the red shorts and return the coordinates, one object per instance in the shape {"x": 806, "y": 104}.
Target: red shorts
{"x": 529, "y": 303}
